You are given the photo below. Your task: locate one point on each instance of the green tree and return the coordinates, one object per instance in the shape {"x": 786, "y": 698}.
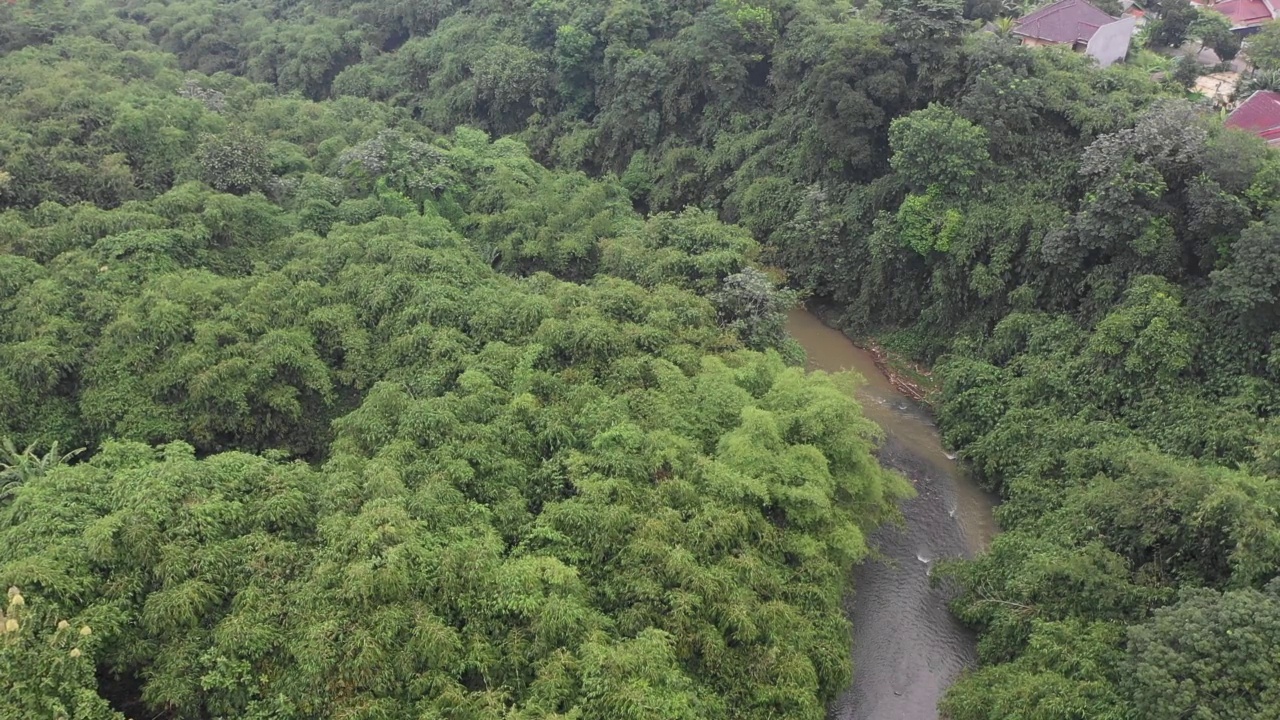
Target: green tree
{"x": 749, "y": 303}
{"x": 1174, "y": 25}
{"x": 928, "y": 31}
{"x": 1264, "y": 47}
{"x": 1209, "y": 655}
{"x": 1069, "y": 670}
{"x": 235, "y": 162}
{"x": 1185, "y": 71}
{"x": 1213, "y": 30}
{"x": 935, "y": 147}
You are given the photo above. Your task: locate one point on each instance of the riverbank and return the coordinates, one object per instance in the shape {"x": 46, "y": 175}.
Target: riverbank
{"x": 908, "y": 377}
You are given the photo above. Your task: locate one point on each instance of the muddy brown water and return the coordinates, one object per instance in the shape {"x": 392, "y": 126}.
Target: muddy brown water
{"x": 907, "y": 648}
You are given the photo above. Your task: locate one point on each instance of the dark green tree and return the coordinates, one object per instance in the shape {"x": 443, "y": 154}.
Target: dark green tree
{"x": 1209, "y": 655}
{"x": 1174, "y": 24}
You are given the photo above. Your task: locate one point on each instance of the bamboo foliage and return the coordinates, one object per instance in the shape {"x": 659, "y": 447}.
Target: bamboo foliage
{"x": 347, "y": 466}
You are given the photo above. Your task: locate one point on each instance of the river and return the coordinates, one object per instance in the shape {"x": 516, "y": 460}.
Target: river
{"x": 907, "y": 647}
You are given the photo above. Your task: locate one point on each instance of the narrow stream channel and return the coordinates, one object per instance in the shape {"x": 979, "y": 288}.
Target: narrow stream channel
{"x": 907, "y": 648}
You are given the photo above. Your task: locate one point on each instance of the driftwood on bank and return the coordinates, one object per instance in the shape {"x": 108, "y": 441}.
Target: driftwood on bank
{"x": 829, "y": 317}
{"x": 904, "y": 385}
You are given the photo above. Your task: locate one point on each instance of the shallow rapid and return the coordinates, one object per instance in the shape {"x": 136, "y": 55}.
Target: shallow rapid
{"x": 907, "y": 648}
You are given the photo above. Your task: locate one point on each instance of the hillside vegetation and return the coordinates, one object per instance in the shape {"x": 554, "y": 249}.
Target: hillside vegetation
{"x": 339, "y": 466}
{"x": 420, "y": 375}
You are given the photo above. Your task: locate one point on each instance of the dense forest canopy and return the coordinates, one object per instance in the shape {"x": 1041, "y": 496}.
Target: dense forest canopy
{"x": 414, "y": 359}
{"x": 381, "y": 423}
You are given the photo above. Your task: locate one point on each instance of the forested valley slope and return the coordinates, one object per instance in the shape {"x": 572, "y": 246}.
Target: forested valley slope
{"x": 412, "y": 359}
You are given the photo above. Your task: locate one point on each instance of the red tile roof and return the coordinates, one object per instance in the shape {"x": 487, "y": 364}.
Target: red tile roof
{"x": 1245, "y": 13}
{"x": 1260, "y": 115}
{"x": 1066, "y": 21}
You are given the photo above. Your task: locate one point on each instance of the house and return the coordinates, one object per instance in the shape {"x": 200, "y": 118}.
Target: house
{"x": 1245, "y": 15}
{"x": 1080, "y": 26}
{"x": 1260, "y": 115}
